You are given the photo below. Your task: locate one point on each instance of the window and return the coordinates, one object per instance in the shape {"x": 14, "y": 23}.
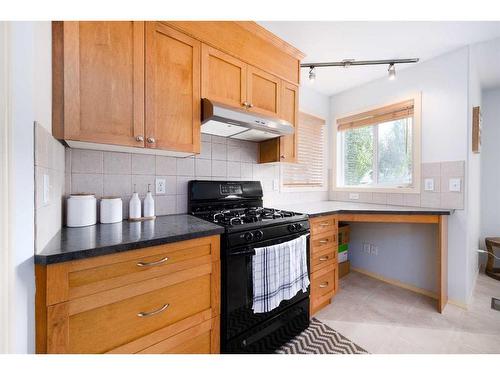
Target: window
{"x": 377, "y": 149}
{"x": 310, "y": 169}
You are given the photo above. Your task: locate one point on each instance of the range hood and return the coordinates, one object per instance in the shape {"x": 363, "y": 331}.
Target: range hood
{"x": 225, "y": 121}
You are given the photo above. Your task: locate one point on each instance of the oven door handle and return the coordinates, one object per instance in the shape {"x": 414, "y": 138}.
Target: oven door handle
{"x": 245, "y": 252}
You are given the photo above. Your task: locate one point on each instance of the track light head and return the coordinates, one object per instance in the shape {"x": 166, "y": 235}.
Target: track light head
{"x": 392, "y": 72}
{"x": 312, "y": 74}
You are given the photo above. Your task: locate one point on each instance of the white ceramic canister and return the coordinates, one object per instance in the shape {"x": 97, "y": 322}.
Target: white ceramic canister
{"x": 81, "y": 210}
{"x": 111, "y": 210}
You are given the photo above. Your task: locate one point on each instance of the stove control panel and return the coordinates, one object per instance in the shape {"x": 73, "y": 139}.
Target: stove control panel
{"x": 267, "y": 233}
{"x": 231, "y": 189}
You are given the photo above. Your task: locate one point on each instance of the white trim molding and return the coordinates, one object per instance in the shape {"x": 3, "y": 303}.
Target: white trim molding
{"x": 416, "y": 148}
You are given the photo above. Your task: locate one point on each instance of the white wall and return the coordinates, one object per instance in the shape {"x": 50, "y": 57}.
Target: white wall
{"x": 490, "y": 171}
{"x": 443, "y": 82}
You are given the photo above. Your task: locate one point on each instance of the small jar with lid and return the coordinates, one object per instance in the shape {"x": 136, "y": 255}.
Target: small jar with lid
{"x": 81, "y": 210}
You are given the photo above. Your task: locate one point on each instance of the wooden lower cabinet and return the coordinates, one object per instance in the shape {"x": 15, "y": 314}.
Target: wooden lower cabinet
{"x": 138, "y": 301}
{"x": 324, "y": 261}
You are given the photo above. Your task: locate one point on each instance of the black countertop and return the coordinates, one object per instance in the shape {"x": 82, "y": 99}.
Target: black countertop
{"x": 101, "y": 239}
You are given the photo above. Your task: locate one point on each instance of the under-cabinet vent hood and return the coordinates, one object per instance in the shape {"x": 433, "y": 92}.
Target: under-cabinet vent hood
{"x": 225, "y": 121}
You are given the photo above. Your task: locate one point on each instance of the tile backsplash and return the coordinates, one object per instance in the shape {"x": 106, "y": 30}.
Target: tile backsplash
{"x": 439, "y": 197}
{"x": 115, "y": 173}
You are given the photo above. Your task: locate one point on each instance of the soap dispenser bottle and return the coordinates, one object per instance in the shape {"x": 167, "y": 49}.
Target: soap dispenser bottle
{"x": 149, "y": 204}
{"x": 134, "y": 207}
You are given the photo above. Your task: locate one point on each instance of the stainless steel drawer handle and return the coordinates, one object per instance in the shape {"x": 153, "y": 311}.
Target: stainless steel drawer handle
{"x": 324, "y": 225}
{"x": 322, "y": 259}
{"x": 323, "y": 285}
{"x": 323, "y": 241}
{"x": 149, "y": 264}
{"x": 151, "y": 313}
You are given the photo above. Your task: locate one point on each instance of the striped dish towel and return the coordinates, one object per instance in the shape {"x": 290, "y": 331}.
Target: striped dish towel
{"x": 279, "y": 273}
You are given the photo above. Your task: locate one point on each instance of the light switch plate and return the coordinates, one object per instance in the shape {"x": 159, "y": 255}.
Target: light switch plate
{"x": 46, "y": 189}
{"x": 429, "y": 184}
{"x": 353, "y": 196}
{"x": 454, "y": 185}
{"x": 160, "y": 186}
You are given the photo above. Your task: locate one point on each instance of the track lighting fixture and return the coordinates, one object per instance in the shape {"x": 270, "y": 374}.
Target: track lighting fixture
{"x": 392, "y": 72}
{"x": 312, "y": 74}
{"x": 346, "y": 63}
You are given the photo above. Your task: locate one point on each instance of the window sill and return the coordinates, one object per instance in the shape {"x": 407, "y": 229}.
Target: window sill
{"x": 378, "y": 189}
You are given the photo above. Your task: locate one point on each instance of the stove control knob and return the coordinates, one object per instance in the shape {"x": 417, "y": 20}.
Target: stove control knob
{"x": 298, "y": 226}
{"x": 291, "y": 227}
{"x": 248, "y": 236}
{"x": 258, "y": 235}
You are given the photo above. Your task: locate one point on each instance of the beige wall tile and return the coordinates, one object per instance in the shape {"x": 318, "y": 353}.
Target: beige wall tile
{"x": 185, "y": 166}
{"x": 234, "y": 153}
{"x": 182, "y": 184}
{"x": 412, "y": 200}
{"x": 166, "y": 165}
{"x": 165, "y": 204}
{"x": 452, "y": 200}
{"x": 86, "y": 161}
{"x": 379, "y": 198}
{"x": 364, "y": 197}
{"x": 431, "y": 169}
{"x": 233, "y": 169}
{"x": 116, "y": 185}
{"x": 206, "y": 137}
{"x": 181, "y": 206}
{"x": 205, "y": 151}
{"x": 141, "y": 182}
{"x": 430, "y": 199}
{"x": 219, "y": 168}
{"x": 219, "y": 152}
{"x": 117, "y": 163}
{"x": 219, "y": 140}
{"x": 143, "y": 164}
{"x": 246, "y": 170}
{"x": 453, "y": 168}
{"x": 42, "y": 151}
{"x": 87, "y": 183}
{"x": 203, "y": 167}
{"x": 395, "y": 199}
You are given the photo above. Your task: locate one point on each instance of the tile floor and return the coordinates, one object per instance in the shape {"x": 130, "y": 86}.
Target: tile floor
{"x": 385, "y": 319}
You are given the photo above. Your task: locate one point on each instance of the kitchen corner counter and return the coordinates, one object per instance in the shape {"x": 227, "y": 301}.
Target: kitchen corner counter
{"x": 102, "y": 239}
{"x": 314, "y": 209}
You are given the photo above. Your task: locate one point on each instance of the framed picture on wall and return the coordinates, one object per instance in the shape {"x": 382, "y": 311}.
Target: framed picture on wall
{"x": 476, "y": 130}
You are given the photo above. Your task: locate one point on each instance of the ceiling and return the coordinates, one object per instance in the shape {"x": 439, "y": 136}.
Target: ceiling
{"x": 487, "y": 59}
{"x": 371, "y": 40}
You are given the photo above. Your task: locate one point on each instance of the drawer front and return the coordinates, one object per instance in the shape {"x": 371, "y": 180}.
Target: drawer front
{"x": 324, "y": 284}
{"x": 106, "y": 327}
{"x": 200, "y": 339}
{"x": 320, "y": 259}
{"x": 323, "y": 224}
{"x": 85, "y": 277}
{"x": 323, "y": 242}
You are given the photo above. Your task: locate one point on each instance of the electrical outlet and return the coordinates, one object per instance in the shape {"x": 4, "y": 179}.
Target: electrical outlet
{"x": 373, "y": 249}
{"x": 46, "y": 189}
{"x": 454, "y": 184}
{"x": 161, "y": 187}
{"x": 354, "y": 196}
{"x": 429, "y": 184}
{"x": 366, "y": 247}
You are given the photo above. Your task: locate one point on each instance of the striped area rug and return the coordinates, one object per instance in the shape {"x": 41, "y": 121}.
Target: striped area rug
{"x": 320, "y": 339}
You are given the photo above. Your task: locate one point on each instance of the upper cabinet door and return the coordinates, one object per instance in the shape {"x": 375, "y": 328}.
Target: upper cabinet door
{"x": 289, "y": 111}
{"x": 173, "y": 98}
{"x": 263, "y": 92}
{"x": 224, "y": 78}
{"x": 104, "y": 82}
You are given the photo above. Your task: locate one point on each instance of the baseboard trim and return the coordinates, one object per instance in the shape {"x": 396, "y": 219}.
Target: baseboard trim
{"x": 410, "y": 287}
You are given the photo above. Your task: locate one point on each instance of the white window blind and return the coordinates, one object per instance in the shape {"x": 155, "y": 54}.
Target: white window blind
{"x": 310, "y": 167}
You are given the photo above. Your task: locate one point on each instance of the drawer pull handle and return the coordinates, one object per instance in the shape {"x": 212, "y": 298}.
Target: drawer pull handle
{"x": 323, "y": 285}
{"x": 151, "y": 313}
{"x": 322, "y": 259}
{"x": 149, "y": 264}
{"x": 323, "y": 241}
{"x": 324, "y": 225}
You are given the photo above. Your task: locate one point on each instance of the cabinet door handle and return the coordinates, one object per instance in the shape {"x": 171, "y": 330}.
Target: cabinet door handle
{"x": 151, "y": 140}
{"x": 149, "y": 264}
{"x": 282, "y": 156}
{"x": 245, "y": 104}
{"x": 250, "y": 105}
{"x": 151, "y": 313}
{"x": 139, "y": 138}
{"x": 324, "y": 225}
{"x": 324, "y": 285}
{"x": 322, "y": 259}
{"x": 323, "y": 241}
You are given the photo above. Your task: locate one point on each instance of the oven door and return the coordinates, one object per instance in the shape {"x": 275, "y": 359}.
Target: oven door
{"x": 237, "y": 314}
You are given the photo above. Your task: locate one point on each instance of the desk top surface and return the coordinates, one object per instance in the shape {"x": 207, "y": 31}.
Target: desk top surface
{"x": 337, "y": 207}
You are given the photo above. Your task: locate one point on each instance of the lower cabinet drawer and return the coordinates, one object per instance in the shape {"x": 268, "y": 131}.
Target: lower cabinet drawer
{"x": 324, "y": 285}
{"x": 323, "y": 258}
{"x": 101, "y": 329}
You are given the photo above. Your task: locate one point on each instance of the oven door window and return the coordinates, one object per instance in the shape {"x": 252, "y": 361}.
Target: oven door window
{"x": 239, "y": 290}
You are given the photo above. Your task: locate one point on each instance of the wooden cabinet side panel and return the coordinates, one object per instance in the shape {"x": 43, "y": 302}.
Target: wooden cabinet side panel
{"x": 290, "y": 112}
{"x": 40, "y": 309}
{"x": 57, "y": 80}
{"x": 58, "y": 328}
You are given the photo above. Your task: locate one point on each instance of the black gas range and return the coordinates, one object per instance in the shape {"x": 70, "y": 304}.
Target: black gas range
{"x": 238, "y": 207}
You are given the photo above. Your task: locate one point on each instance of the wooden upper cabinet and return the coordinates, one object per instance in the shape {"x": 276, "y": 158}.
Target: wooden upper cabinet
{"x": 103, "y": 82}
{"x": 289, "y": 112}
{"x": 172, "y": 89}
{"x": 263, "y": 92}
{"x": 224, "y": 78}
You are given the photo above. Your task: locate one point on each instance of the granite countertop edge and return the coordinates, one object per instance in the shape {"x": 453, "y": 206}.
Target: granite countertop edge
{"x": 380, "y": 212}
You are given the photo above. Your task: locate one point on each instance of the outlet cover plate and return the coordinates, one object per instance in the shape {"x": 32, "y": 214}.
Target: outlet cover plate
{"x": 354, "y": 196}
{"x": 161, "y": 187}
{"x": 429, "y": 184}
{"x": 454, "y": 185}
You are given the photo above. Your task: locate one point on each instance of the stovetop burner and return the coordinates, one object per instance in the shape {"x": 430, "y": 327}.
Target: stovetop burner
{"x": 240, "y": 216}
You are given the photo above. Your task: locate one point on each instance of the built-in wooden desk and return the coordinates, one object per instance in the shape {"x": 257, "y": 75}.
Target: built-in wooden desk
{"x": 373, "y": 213}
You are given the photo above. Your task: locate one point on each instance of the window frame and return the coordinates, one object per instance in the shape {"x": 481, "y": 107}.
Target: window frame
{"x": 338, "y": 153}
{"x": 309, "y": 188}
